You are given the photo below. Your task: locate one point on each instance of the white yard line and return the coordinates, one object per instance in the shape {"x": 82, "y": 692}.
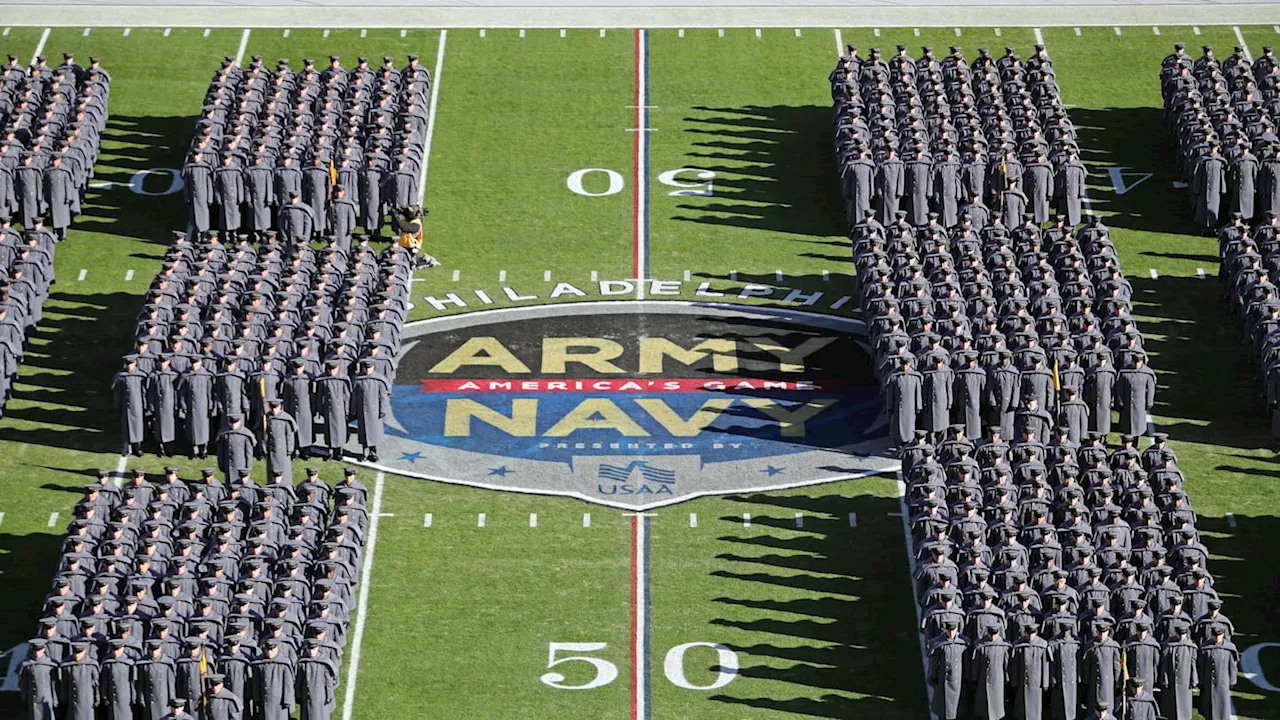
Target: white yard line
{"x": 44, "y": 38}
{"x": 362, "y": 604}
{"x": 641, "y": 219}
{"x": 1243, "y": 45}
{"x": 1039, "y": 37}
{"x": 431, "y": 116}
{"x": 244, "y": 43}
{"x": 839, "y": 43}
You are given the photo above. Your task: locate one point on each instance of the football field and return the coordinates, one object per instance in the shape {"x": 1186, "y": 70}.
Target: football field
{"x": 617, "y": 165}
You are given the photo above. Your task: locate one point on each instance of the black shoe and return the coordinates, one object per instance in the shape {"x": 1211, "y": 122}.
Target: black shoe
{"x": 137, "y": 451}
{"x": 373, "y": 457}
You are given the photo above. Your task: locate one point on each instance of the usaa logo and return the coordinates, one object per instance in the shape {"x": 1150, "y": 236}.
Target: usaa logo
{"x": 636, "y": 404}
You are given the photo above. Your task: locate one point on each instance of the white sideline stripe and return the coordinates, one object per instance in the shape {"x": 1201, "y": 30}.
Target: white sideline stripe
{"x": 457, "y": 275}
{"x": 693, "y": 520}
{"x": 1154, "y": 275}
{"x": 853, "y": 519}
{"x": 244, "y": 44}
{"x": 1231, "y": 519}
{"x": 480, "y": 520}
{"x": 427, "y": 520}
{"x": 800, "y": 520}
{"x": 209, "y": 31}
{"x": 1039, "y": 37}
{"x": 431, "y": 116}
{"x": 911, "y": 573}
{"x": 44, "y": 37}
{"x": 839, "y": 43}
{"x": 546, "y": 276}
{"x": 502, "y": 276}
{"x": 1200, "y": 273}
{"x": 362, "y": 604}
{"x": 586, "y": 520}
{"x": 53, "y": 519}
{"x": 128, "y": 275}
{"x": 83, "y": 273}
{"x": 1243, "y": 45}
{"x": 746, "y": 520}
{"x": 533, "y": 520}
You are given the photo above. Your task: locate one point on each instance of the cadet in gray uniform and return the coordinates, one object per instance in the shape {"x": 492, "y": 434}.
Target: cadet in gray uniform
{"x": 1029, "y": 674}
{"x": 222, "y": 703}
{"x": 281, "y": 440}
{"x": 117, "y": 682}
{"x": 78, "y": 681}
{"x": 948, "y": 659}
{"x": 1217, "y": 664}
{"x": 333, "y": 391}
{"x": 129, "y": 386}
{"x": 1135, "y": 396}
{"x": 38, "y": 682}
{"x": 371, "y": 401}
{"x": 317, "y": 679}
{"x": 196, "y": 405}
{"x": 235, "y": 450}
{"x": 272, "y": 681}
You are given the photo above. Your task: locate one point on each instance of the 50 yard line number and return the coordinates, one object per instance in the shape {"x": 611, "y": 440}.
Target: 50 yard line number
{"x": 606, "y": 672}
{"x": 670, "y": 178}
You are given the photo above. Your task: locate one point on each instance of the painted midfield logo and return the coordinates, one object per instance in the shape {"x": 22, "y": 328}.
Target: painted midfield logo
{"x": 611, "y": 402}
{"x": 614, "y": 473}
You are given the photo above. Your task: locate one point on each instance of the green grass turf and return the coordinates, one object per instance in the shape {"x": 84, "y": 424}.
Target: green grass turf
{"x": 460, "y": 616}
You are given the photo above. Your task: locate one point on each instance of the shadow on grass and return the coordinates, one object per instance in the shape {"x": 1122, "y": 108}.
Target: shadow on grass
{"x": 133, "y": 145}
{"x": 856, "y": 652}
{"x": 63, "y": 398}
{"x": 775, "y": 165}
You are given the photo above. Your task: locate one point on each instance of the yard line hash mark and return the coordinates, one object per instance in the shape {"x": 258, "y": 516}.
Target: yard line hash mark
{"x": 800, "y": 520}
{"x": 1231, "y": 519}
{"x": 209, "y": 31}
{"x": 533, "y": 520}
{"x": 746, "y": 520}
{"x": 693, "y": 520}
{"x": 586, "y": 520}
{"x": 53, "y": 519}
{"x": 853, "y": 520}
{"x": 128, "y": 276}
{"x": 480, "y": 520}
{"x": 427, "y": 520}
{"x": 83, "y": 272}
